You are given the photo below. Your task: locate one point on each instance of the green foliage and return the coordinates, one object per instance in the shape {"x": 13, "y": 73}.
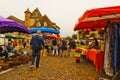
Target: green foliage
{"x": 81, "y": 31}
{"x": 68, "y": 38}
{"x": 92, "y": 35}
{"x": 101, "y": 35}
{"x": 83, "y": 36}
{"x": 74, "y": 36}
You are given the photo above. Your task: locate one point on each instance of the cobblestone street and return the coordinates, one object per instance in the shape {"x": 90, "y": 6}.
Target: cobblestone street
{"x": 55, "y": 68}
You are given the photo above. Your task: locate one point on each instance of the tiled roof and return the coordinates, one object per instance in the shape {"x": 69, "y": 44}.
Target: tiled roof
{"x": 50, "y": 24}
{"x": 15, "y": 19}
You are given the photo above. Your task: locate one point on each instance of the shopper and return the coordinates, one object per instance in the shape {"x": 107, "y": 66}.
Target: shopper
{"x": 36, "y": 45}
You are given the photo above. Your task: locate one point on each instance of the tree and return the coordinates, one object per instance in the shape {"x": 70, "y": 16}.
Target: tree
{"x": 68, "y": 38}
{"x": 74, "y": 36}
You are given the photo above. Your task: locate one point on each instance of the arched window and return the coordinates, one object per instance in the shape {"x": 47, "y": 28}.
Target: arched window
{"x": 38, "y": 24}
{"x": 45, "y": 23}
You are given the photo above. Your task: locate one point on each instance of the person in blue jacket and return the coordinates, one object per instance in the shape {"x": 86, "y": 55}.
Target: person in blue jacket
{"x": 37, "y": 42}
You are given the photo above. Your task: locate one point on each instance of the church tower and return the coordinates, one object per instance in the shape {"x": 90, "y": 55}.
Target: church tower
{"x": 27, "y": 20}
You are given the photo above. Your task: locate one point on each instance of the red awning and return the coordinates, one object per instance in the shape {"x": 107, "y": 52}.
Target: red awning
{"x": 100, "y": 12}
{"x": 94, "y": 24}
{"x": 97, "y": 18}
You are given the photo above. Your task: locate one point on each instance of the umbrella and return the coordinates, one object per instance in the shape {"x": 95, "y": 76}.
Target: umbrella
{"x": 13, "y": 36}
{"x": 18, "y": 37}
{"x": 45, "y": 30}
{"x": 97, "y": 18}
{"x": 8, "y": 36}
{"x": 100, "y": 12}
{"x": 51, "y": 36}
{"x": 7, "y": 25}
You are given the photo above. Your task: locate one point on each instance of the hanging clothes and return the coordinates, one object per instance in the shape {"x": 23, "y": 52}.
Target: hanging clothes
{"x": 108, "y": 55}
{"x": 112, "y": 49}
{"x": 116, "y": 58}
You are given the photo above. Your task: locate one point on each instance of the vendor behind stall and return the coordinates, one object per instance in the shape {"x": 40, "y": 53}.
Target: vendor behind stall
{"x": 94, "y": 44}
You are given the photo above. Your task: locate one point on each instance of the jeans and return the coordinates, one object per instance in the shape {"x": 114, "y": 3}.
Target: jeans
{"x": 36, "y": 55}
{"x": 14, "y": 51}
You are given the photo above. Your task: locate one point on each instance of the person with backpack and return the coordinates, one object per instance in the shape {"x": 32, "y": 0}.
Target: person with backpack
{"x": 36, "y": 43}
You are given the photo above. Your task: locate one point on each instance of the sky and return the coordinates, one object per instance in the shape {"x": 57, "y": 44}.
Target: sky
{"x": 64, "y": 13}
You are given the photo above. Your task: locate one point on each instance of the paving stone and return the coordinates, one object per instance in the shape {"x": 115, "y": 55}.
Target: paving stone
{"x": 55, "y": 68}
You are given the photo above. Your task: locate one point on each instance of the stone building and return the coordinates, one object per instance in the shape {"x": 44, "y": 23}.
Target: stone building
{"x": 35, "y": 19}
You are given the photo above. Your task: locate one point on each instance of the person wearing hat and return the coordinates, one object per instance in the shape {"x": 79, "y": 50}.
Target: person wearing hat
{"x": 36, "y": 43}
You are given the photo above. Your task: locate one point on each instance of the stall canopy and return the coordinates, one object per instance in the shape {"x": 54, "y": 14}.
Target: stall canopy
{"x": 10, "y": 36}
{"x": 18, "y": 37}
{"x": 97, "y": 18}
{"x": 51, "y": 36}
{"x": 7, "y": 25}
{"x": 45, "y": 30}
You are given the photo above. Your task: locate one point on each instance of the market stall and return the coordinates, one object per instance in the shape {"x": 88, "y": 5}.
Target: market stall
{"x": 97, "y": 56}
{"x": 96, "y": 19}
